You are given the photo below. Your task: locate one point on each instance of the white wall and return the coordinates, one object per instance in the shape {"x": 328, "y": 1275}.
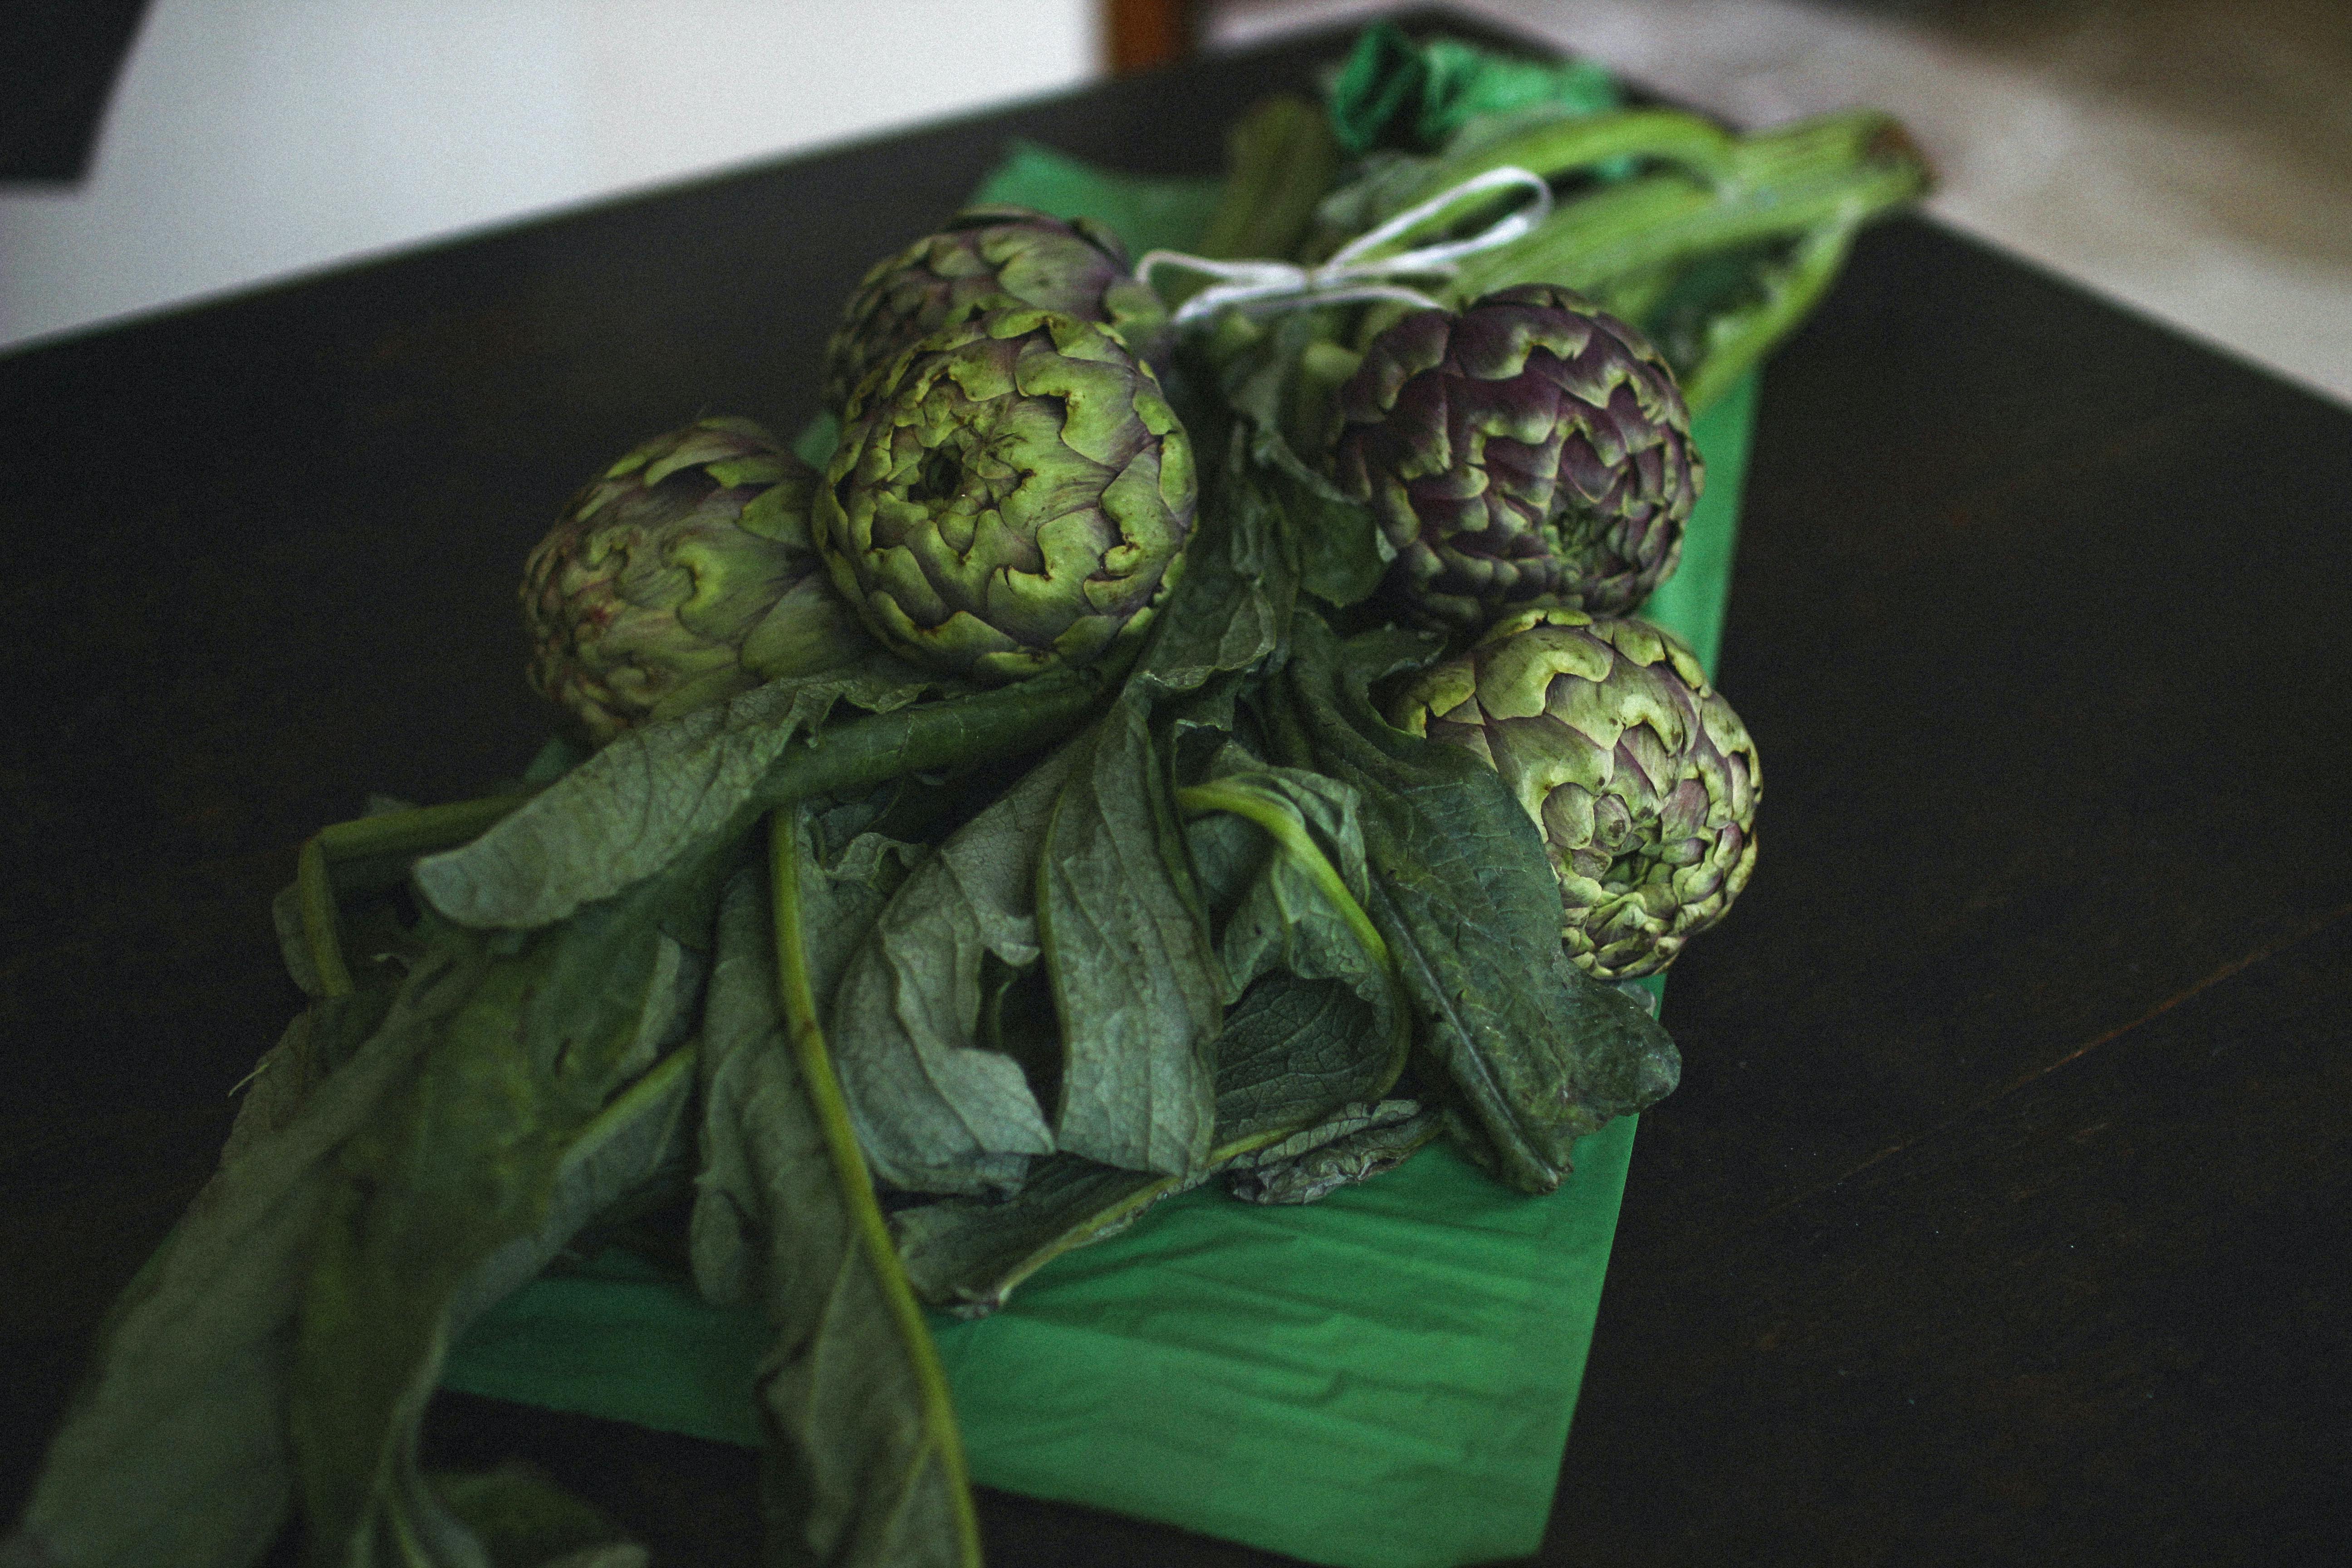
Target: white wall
{"x": 253, "y": 139}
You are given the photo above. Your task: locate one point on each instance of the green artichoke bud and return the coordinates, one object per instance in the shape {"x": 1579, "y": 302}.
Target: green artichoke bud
{"x": 1529, "y": 450}
{"x": 990, "y": 257}
{"x": 1010, "y": 496}
{"x": 1642, "y": 779}
{"x": 681, "y": 576}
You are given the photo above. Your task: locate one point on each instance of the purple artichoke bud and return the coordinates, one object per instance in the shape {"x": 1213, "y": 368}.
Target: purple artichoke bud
{"x": 1641, "y": 778}
{"x": 680, "y": 577}
{"x": 1530, "y": 450}
{"x": 1010, "y": 496}
{"x": 992, "y": 255}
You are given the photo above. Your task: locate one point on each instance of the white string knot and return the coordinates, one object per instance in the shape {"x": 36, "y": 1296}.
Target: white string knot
{"x": 1346, "y": 278}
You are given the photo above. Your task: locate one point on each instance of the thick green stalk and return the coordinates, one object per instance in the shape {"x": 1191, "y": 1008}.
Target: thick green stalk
{"x": 1841, "y": 171}
{"x": 879, "y": 747}
{"x": 1565, "y": 147}
{"x": 371, "y": 852}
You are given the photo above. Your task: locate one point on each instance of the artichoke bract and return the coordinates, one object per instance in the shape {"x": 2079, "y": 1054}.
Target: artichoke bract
{"x": 1641, "y": 778}
{"x": 1010, "y": 496}
{"x": 679, "y": 578}
{"x": 1528, "y": 449}
{"x": 991, "y": 255}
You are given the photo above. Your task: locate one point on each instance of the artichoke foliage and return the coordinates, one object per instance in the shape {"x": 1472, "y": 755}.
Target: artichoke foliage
{"x": 989, "y": 257}
{"x": 682, "y": 576}
{"x": 1010, "y": 496}
{"x": 1641, "y": 778}
{"x": 1528, "y": 449}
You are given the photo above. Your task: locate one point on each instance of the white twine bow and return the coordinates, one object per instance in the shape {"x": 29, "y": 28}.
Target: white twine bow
{"x": 1345, "y": 278}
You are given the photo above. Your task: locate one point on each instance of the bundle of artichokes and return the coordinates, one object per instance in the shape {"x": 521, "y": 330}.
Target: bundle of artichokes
{"x": 1078, "y": 788}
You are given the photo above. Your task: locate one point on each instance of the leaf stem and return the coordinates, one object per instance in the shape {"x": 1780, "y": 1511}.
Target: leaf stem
{"x": 1291, "y": 835}
{"x": 1281, "y": 157}
{"x": 856, "y": 1186}
{"x": 375, "y": 852}
{"x": 654, "y": 1082}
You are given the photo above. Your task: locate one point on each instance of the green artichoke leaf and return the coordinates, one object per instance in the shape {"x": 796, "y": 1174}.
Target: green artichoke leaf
{"x": 965, "y": 1255}
{"x": 636, "y": 804}
{"x": 659, "y": 791}
{"x": 519, "y": 1124}
{"x": 511, "y": 1514}
{"x": 1281, "y": 384}
{"x": 862, "y": 1466}
{"x": 174, "y": 1454}
{"x": 1538, "y": 1053}
{"x": 842, "y": 894}
{"x": 934, "y": 1108}
{"x": 1354, "y": 1145}
{"x": 1220, "y": 619}
{"x": 1356, "y": 1116}
{"x": 518, "y": 1515}
{"x": 279, "y": 1340}
{"x": 320, "y": 1039}
{"x": 1296, "y": 904}
{"x": 1293, "y": 1053}
{"x": 1136, "y": 981}
{"x": 1342, "y": 554}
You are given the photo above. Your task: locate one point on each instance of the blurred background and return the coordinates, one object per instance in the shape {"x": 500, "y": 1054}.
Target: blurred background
{"x": 2188, "y": 158}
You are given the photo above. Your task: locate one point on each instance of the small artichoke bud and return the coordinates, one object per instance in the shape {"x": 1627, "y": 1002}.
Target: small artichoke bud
{"x": 1529, "y": 450}
{"x": 1011, "y": 496}
{"x": 1641, "y": 778}
{"x": 990, "y": 257}
{"x": 680, "y": 577}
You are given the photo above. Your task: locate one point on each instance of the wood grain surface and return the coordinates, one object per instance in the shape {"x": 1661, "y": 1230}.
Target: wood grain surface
{"x": 2000, "y": 1217}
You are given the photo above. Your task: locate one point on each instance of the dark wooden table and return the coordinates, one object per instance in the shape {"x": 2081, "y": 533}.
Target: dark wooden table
{"x": 2001, "y": 1215}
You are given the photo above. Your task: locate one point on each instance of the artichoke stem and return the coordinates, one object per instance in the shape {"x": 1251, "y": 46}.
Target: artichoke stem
{"x": 1845, "y": 168}
{"x": 1567, "y": 147}
{"x": 1292, "y": 839}
{"x": 1738, "y": 339}
{"x": 1281, "y": 158}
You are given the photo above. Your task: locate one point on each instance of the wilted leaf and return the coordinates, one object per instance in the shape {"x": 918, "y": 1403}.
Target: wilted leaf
{"x": 935, "y": 1108}
{"x": 1538, "y": 1052}
{"x": 1137, "y": 985}
{"x": 864, "y": 1467}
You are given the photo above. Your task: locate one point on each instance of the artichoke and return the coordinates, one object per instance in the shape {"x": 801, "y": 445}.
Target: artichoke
{"x": 1529, "y": 450}
{"x": 991, "y": 255}
{"x": 681, "y": 576}
{"x": 1010, "y": 496}
{"x": 1641, "y": 777}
